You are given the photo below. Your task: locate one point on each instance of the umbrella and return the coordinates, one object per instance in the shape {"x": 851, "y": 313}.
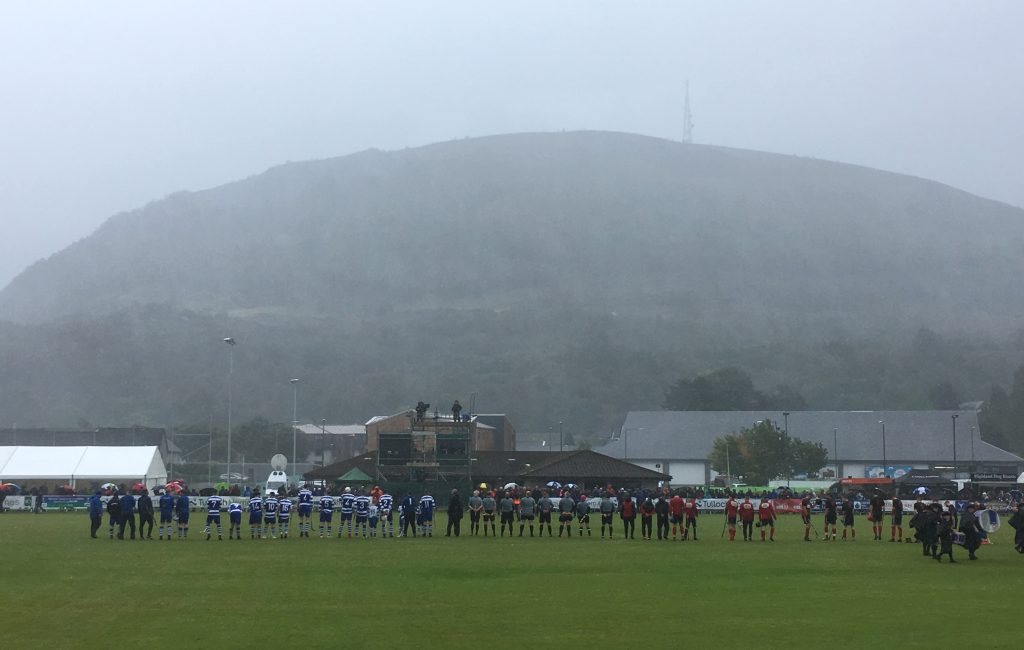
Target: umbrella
{"x": 553, "y": 484}
{"x": 11, "y": 487}
{"x": 138, "y": 487}
{"x": 570, "y": 486}
{"x": 221, "y": 486}
{"x": 173, "y": 487}
{"x": 483, "y": 486}
{"x": 510, "y": 486}
{"x": 66, "y": 489}
{"x": 108, "y": 486}
{"x": 921, "y": 490}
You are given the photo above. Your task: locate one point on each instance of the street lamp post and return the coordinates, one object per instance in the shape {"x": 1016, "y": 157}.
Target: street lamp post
{"x": 785, "y": 425}
{"x": 231, "y": 380}
{"x": 295, "y": 422}
{"x": 550, "y": 436}
{"x": 954, "y": 417}
{"x": 882, "y": 422}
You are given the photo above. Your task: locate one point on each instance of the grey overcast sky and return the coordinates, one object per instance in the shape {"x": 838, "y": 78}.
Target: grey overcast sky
{"x": 106, "y": 106}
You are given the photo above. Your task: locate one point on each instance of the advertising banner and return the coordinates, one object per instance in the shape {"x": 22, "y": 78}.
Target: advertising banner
{"x": 78, "y": 502}
{"x": 782, "y": 506}
{"x": 18, "y": 503}
{"x": 890, "y": 471}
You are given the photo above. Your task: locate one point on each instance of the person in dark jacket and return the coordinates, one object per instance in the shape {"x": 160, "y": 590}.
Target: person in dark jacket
{"x": 1017, "y": 522}
{"x": 127, "y": 515}
{"x": 145, "y": 507}
{"x": 661, "y": 511}
{"x": 971, "y": 528}
{"x": 925, "y": 523}
{"x": 627, "y": 511}
{"x": 408, "y": 515}
{"x": 646, "y": 517}
{"x": 944, "y": 529}
{"x": 114, "y": 510}
{"x": 454, "y": 514}
{"x": 95, "y": 513}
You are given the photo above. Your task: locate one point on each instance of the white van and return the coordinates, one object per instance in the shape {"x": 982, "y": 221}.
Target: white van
{"x": 277, "y": 480}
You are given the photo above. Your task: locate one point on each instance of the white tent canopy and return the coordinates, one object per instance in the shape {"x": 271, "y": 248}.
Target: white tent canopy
{"x": 142, "y": 464}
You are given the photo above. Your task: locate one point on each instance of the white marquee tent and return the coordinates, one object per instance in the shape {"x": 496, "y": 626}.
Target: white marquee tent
{"x": 142, "y": 464}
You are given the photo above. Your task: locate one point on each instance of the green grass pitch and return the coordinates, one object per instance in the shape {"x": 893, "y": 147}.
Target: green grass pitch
{"x": 64, "y": 590}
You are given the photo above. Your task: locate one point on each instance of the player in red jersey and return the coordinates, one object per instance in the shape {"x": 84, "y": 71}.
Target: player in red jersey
{"x": 766, "y": 515}
{"x": 747, "y": 510}
{"x": 675, "y": 511}
{"x": 876, "y": 510}
{"x": 732, "y": 507}
{"x": 805, "y": 514}
{"x": 690, "y": 511}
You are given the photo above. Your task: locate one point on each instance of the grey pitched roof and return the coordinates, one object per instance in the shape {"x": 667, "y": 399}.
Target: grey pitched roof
{"x": 909, "y": 435}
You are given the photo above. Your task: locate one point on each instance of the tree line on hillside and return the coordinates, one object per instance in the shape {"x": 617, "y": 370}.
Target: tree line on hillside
{"x": 157, "y": 366}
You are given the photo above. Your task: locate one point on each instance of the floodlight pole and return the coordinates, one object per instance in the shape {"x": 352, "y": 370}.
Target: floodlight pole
{"x": 973, "y": 468}
{"x": 728, "y": 465}
{"x": 231, "y": 380}
{"x": 954, "y": 417}
{"x": 323, "y": 442}
{"x": 560, "y": 435}
{"x": 882, "y": 422}
{"x": 835, "y": 450}
{"x": 295, "y": 420}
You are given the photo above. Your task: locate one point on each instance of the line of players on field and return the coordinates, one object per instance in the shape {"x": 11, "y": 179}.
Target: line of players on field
{"x": 361, "y": 513}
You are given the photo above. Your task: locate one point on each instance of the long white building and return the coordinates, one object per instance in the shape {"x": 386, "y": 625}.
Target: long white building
{"x": 679, "y": 442}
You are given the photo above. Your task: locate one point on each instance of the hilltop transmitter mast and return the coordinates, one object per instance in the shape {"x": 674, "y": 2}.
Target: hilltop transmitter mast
{"x": 687, "y": 117}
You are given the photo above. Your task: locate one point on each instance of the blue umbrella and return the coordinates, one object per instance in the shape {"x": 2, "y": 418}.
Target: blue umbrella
{"x": 553, "y": 484}
{"x": 921, "y": 490}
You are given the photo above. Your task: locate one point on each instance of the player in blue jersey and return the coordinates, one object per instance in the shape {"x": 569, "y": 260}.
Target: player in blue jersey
{"x": 326, "y": 513}
{"x": 384, "y": 506}
{"x": 305, "y": 510}
{"x": 235, "y": 518}
{"x": 426, "y": 515}
{"x": 166, "y": 514}
{"x": 362, "y": 508}
{"x": 255, "y": 515}
{"x": 270, "y": 517}
{"x": 372, "y": 518}
{"x": 213, "y": 504}
{"x": 181, "y": 507}
{"x": 284, "y": 512}
{"x": 348, "y": 501}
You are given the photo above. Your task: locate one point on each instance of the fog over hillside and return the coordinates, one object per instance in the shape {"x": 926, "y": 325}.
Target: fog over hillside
{"x": 608, "y": 221}
{"x": 558, "y": 277}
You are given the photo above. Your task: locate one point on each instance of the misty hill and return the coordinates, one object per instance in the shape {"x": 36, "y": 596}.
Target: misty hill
{"x": 559, "y": 277}
{"x": 608, "y": 221}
